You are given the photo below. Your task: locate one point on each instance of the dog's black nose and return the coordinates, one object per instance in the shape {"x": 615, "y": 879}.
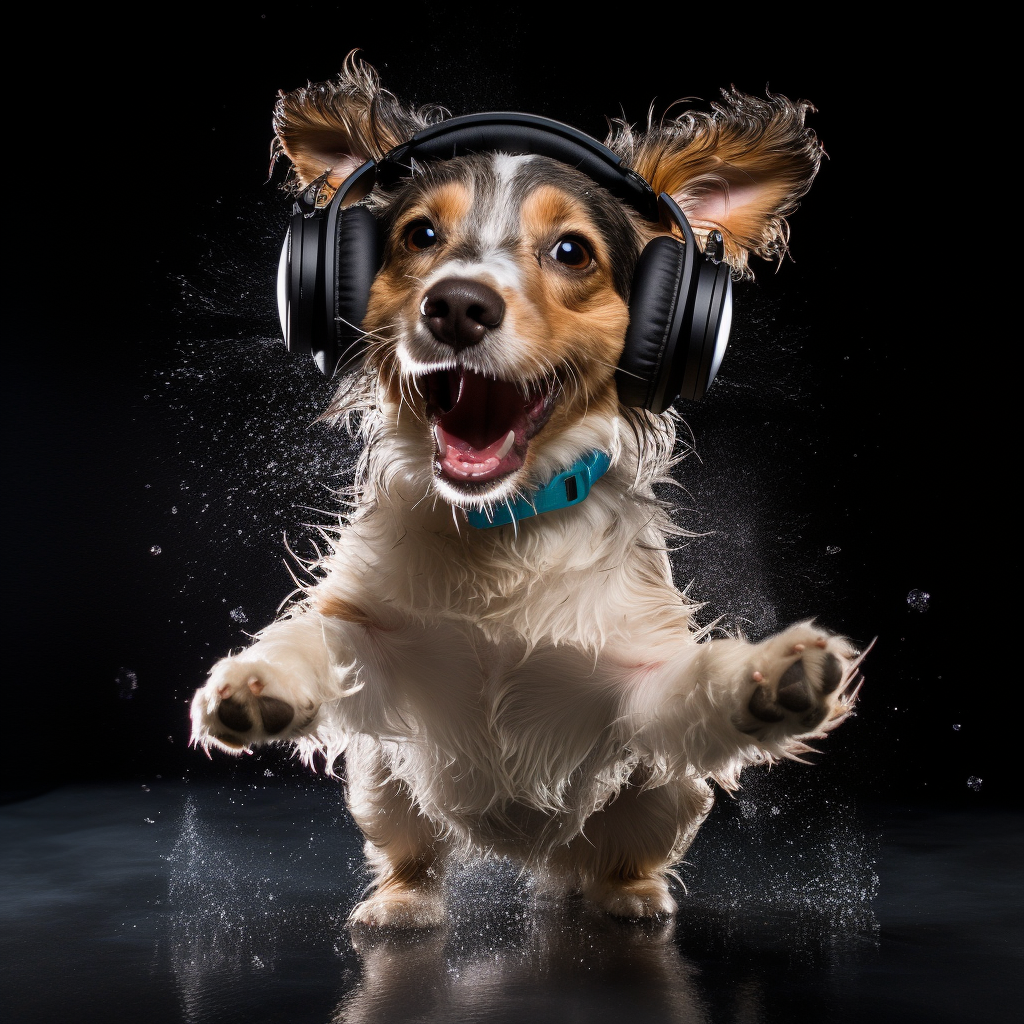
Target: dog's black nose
{"x": 459, "y": 311}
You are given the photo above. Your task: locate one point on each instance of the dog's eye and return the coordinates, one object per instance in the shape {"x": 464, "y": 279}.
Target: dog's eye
{"x": 571, "y": 252}
{"x": 420, "y": 236}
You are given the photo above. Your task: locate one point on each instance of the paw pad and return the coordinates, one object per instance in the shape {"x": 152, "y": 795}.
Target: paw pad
{"x": 794, "y": 690}
{"x": 276, "y": 715}
{"x": 762, "y": 706}
{"x": 800, "y": 691}
{"x": 232, "y": 712}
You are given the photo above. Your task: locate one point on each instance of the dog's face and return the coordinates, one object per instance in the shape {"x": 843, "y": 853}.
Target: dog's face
{"x": 497, "y": 319}
{"x": 499, "y": 314}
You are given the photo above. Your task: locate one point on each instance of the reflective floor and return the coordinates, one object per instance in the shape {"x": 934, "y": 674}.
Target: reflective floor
{"x": 221, "y": 903}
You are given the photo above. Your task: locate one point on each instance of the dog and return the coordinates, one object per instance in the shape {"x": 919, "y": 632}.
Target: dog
{"x": 504, "y": 678}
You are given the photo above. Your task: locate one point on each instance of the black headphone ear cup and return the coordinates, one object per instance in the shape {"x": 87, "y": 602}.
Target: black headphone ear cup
{"x": 296, "y": 282}
{"x": 657, "y": 309}
{"x": 710, "y": 326}
{"x": 351, "y": 263}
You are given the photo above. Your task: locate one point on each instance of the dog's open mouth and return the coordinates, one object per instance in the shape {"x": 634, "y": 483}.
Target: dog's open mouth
{"x": 482, "y": 426}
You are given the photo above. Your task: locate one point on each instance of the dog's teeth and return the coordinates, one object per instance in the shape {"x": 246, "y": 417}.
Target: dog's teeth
{"x": 509, "y": 441}
{"x": 442, "y": 447}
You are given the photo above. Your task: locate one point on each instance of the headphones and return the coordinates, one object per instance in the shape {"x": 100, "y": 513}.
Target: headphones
{"x": 680, "y": 307}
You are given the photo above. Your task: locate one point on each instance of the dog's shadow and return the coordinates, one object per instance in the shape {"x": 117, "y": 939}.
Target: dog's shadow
{"x": 552, "y": 963}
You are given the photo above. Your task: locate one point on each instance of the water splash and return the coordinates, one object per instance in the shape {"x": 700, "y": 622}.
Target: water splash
{"x": 127, "y": 683}
{"x": 785, "y": 852}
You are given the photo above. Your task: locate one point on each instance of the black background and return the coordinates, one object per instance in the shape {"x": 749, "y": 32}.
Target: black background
{"x": 842, "y": 454}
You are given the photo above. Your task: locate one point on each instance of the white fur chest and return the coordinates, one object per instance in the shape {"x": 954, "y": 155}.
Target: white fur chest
{"x": 474, "y": 726}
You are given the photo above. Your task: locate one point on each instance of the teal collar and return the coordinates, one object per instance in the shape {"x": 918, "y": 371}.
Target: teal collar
{"x": 564, "y": 489}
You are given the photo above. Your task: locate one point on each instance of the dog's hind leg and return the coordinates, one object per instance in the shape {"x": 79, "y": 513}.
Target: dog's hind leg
{"x": 402, "y": 847}
{"x": 626, "y": 850}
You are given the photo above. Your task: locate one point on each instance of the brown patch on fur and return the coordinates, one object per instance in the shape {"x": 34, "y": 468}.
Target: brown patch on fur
{"x": 337, "y": 607}
{"x": 404, "y": 874}
{"x": 446, "y": 206}
{"x": 550, "y": 212}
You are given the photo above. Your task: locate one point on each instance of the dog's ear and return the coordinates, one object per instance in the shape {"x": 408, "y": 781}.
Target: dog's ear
{"x": 337, "y": 126}
{"x": 742, "y": 168}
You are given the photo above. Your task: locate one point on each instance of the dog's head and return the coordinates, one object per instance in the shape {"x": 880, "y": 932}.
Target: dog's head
{"x": 497, "y": 318}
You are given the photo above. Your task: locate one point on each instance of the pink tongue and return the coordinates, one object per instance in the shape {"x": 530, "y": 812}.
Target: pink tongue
{"x": 472, "y": 463}
{"x": 475, "y": 430}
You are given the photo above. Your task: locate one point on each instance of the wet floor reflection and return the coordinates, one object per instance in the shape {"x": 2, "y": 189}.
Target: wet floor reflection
{"x": 558, "y": 961}
{"x": 220, "y": 904}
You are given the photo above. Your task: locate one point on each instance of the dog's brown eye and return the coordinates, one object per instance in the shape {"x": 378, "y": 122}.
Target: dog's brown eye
{"x": 571, "y": 252}
{"x": 420, "y": 236}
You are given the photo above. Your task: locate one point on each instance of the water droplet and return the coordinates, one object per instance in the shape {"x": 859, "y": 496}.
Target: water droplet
{"x": 919, "y": 600}
{"x": 956, "y": 728}
{"x": 974, "y": 783}
{"x": 155, "y": 549}
{"x": 238, "y": 614}
{"x": 127, "y": 683}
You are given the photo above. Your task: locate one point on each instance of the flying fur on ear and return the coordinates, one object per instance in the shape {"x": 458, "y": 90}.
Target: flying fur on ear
{"x": 337, "y": 126}
{"x": 741, "y": 168}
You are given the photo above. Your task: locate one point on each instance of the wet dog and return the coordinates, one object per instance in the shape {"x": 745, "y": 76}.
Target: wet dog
{"x": 503, "y": 676}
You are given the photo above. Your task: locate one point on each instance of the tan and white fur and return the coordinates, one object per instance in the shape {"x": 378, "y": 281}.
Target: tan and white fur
{"x": 538, "y": 691}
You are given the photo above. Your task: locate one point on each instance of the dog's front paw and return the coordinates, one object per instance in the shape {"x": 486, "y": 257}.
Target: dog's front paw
{"x": 799, "y": 684}
{"x": 246, "y": 702}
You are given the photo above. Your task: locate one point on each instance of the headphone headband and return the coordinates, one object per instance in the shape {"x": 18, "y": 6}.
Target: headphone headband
{"x": 512, "y": 132}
